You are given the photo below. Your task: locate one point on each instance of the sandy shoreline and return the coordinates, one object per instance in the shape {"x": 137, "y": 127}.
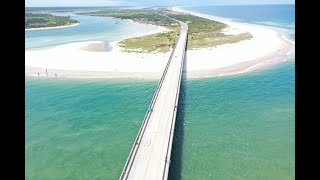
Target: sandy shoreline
{"x": 85, "y": 59}
{"x": 56, "y": 27}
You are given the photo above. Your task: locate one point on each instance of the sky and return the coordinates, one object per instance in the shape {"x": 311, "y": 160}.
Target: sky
{"x": 50, "y": 3}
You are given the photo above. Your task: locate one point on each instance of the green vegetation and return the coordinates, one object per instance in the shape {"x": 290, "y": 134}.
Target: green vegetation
{"x": 207, "y": 33}
{"x": 161, "y": 42}
{"x": 201, "y": 42}
{"x": 199, "y": 25}
{"x": 202, "y": 32}
{"x": 60, "y": 10}
{"x": 33, "y": 20}
{"x": 148, "y": 16}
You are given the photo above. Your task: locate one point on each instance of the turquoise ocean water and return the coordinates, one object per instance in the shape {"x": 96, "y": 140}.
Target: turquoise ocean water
{"x": 233, "y": 127}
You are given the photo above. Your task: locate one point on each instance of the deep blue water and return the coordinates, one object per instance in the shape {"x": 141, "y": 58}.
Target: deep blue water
{"x": 280, "y": 16}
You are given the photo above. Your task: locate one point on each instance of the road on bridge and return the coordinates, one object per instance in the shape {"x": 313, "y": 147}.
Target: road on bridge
{"x": 150, "y": 155}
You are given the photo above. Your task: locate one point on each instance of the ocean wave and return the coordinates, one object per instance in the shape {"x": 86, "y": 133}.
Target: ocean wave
{"x": 291, "y": 51}
{"x": 269, "y": 23}
{"x": 277, "y": 24}
{"x": 288, "y": 38}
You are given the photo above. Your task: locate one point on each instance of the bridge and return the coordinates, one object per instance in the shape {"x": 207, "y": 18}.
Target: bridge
{"x": 149, "y": 157}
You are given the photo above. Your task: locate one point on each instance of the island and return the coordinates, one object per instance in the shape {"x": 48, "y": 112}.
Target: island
{"x": 39, "y": 20}
{"x": 216, "y": 47}
{"x": 202, "y": 32}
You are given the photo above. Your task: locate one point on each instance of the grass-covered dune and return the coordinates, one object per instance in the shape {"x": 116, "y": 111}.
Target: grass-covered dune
{"x": 148, "y": 16}
{"x": 160, "y": 42}
{"x": 38, "y": 20}
{"x": 202, "y": 32}
{"x": 207, "y": 33}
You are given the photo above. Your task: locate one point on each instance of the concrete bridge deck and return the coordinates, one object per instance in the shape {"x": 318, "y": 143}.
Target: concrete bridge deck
{"x": 150, "y": 155}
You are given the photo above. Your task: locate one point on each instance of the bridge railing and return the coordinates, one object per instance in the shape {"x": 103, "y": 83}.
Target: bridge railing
{"x": 132, "y": 154}
{"x": 168, "y": 153}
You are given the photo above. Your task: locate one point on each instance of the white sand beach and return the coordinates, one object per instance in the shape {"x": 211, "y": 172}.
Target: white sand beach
{"x": 56, "y": 27}
{"x": 86, "y": 60}
{"x": 268, "y": 46}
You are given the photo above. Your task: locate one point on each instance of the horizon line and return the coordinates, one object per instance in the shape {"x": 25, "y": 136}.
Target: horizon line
{"x": 166, "y": 5}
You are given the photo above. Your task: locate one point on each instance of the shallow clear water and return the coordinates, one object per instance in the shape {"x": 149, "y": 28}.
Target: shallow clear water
{"x": 79, "y": 129}
{"x": 233, "y": 127}
{"x": 237, "y": 127}
{"x": 91, "y": 28}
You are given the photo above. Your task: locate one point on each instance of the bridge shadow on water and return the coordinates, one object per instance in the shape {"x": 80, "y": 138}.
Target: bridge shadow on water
{"x": 177, "y": 144}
